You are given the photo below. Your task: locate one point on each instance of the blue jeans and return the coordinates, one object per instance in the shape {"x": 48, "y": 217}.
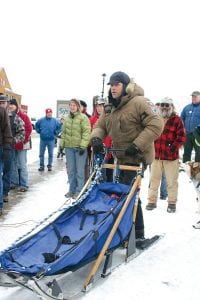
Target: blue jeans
{"x": 163, "y": 187}
{"x": 1, "y": 182}
{"x": 75, "y": 169}
{"x": 19, "y": 173}
{"x": 50, "y": 147}
{"x": 7, "y": 168}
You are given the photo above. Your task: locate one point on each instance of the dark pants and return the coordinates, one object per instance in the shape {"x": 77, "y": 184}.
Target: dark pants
{"x": 88, "y": 163}
{"x": 189, "y": 145}
{"x": 127, "y": 177}
{"x": 163, "y": 187}
{"x": 7, "y": 168}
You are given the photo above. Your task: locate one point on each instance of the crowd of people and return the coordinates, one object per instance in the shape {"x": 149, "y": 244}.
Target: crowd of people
{"x": 15, "y": 140}
{"x": 125, "y": 120}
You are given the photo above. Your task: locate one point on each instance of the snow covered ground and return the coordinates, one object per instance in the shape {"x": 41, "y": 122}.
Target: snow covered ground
{"x": 168, "y": 270}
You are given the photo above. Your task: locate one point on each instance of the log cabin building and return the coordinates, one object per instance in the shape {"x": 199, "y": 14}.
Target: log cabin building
{"x": 5, "y": 87}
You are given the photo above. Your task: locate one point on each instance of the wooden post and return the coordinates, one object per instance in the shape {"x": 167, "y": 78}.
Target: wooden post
{"x": 98, "y": 261}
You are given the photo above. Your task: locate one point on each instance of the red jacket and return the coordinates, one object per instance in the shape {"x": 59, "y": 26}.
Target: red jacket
{"x": 107, "y": 141}
{"x": 28, "y": 130}
{"x": 171, "y": 139}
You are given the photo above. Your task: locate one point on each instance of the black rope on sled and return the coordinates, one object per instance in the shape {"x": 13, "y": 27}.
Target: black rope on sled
{"x": 51, "y": 256}
{"x": 91, "y": 213}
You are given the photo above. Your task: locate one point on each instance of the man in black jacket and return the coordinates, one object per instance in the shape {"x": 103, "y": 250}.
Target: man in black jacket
{"x": 5, "y": 144}
{"x": 18, "y": 134}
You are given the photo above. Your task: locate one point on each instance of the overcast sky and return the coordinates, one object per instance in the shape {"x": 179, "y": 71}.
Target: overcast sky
{"x": 58, "y": 49}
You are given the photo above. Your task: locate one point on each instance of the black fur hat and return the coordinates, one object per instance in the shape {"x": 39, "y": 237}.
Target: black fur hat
{"x": 83, "y": 103}
{"x": 119, "y": 77}
{"x": 13, "y": 102}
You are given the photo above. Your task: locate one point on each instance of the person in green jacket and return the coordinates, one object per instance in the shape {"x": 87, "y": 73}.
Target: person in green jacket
{"x": 75, "y": 138}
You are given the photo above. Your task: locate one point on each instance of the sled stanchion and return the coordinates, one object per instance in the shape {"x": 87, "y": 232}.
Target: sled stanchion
{"x": 98, "y": 261}
{"x": 131, "y": 245}
{"x": 136, "y": 202}
{"x": 121, "y": 167}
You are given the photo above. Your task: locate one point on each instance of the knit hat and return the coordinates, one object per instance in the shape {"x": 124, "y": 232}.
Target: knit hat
{"x": 13, "y": 102}
{"x": 3, "y": 98}
{"x": 83, "y": 103}
{"x": 48, "y": 110}
{"x": 99, "y": 100}
{"x": 119, "y": 77}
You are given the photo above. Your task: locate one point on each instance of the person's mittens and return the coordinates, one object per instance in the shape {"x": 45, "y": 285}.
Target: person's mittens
{"x": 132, "y": 150}
{"x": 97, "y": 145}
{"x": 81, "y": 151}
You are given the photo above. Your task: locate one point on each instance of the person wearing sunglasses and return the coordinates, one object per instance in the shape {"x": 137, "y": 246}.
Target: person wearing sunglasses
{"x": 191, "y": 118}
{"x": 167, "y": 156}
{"x": 163, "y": 184}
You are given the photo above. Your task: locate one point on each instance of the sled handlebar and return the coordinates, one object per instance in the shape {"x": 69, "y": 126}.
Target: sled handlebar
{"x": 121, "y": 167}
{"x": 140, "y": 156}
{"x": 115, "y": 150}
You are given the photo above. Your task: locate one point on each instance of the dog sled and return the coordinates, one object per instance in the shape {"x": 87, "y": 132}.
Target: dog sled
{"x": 86, "y": 235}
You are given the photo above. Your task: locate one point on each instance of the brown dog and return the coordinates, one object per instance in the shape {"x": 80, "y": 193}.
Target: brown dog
{"x": 193, "y": 170}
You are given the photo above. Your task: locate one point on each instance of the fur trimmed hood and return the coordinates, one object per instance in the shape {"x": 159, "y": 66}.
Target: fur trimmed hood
{"x": 133, "y": 89}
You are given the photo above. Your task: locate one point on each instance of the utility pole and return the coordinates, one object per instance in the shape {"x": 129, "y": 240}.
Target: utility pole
{"x": 104, "y": 76}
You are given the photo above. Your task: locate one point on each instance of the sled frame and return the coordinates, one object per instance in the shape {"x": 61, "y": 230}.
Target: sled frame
{"x": 52, "y": 289}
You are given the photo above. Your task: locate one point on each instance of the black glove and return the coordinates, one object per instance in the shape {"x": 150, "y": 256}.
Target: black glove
{"x": 7, "y": 152}
{"x": 132, "y": 150}
{"x": 81, "y": 151}
{"x": 97, "y": 145}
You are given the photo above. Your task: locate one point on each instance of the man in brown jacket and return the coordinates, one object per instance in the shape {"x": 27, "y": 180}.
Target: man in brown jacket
{"x": 5, "y": 144}
{"x": 133, "y": 125}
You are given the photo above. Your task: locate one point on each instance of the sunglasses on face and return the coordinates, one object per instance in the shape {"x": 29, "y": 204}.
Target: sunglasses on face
{"x": 164, "y": 105}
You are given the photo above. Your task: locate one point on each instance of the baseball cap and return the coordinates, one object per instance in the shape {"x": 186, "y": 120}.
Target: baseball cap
{"x": 48, "y": 110}
{"x": 166, "y": 100}
{"x": 3, "y": 98}
{"x": 195, "y": 93}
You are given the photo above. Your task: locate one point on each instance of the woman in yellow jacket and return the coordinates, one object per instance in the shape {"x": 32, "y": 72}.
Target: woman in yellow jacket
{"x": 75, "y": 138}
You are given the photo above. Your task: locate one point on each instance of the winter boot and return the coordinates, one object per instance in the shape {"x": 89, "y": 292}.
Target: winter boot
{"x": 163, "y": 197}
{"x": 151, "y": 206}
{"x": 49, "y": 168}
{"x": 62, "y": 154}
{"x": 171, "y": 208}
{"x": 75, "y": 195}
{"x": 197, "y": 225}
{"x": 5, "y": 198}
{"x": 41, "y": 169}
{"x": 139, "y": 234}
{"x": 23, "y": 189}
{"x": 69, "y": 195}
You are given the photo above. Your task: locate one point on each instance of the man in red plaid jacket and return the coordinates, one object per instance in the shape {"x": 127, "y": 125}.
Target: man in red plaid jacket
{"x": 167, "y": 155}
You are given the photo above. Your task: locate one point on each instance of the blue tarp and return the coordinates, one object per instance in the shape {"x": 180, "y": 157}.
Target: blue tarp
{"x": 76, "y": 236}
